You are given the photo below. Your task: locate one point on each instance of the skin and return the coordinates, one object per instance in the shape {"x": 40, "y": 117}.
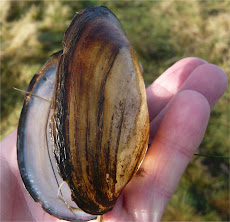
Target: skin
{"x": 179, "y": 103}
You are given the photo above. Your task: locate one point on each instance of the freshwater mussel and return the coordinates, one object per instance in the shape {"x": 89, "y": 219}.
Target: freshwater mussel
{"x": 84, "y": 120}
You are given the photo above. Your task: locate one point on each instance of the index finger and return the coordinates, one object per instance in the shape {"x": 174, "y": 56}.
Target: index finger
{"x": 160, "y": 92}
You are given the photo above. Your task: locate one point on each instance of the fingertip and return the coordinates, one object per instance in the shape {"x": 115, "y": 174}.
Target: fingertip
{"x": 209, "y": 80}
{"x": 219, "y": 74}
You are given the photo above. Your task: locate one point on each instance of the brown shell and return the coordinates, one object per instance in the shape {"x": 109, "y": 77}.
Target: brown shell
{"x": 100, "y": 121}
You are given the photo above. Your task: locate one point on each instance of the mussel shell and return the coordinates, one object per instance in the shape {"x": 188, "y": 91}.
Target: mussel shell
{"x": 36, "y": 161}
{"x": 100, "y": 120}
{"x": 92, "y": 129}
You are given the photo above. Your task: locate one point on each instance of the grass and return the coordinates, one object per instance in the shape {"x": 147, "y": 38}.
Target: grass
{"x": 162, "y": 32}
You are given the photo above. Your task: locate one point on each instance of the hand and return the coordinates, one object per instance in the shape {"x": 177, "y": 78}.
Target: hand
{"x": 179, "y": 104}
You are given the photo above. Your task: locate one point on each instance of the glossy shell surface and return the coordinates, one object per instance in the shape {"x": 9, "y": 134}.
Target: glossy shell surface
{"x": 93, "y": 134}
{"x": 35, "y": 149}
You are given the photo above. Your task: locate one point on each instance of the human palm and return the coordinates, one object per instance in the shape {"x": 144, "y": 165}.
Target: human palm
{"x": 179, "y": 104}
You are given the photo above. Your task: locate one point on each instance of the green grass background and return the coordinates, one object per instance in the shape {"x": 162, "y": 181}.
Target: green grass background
{"x": 162, "y": 32}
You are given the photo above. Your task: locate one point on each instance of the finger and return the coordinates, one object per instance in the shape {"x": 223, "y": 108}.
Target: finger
{"x": 179, "y": 136}
{"x": 166, "y": 86}
{"x": 207, "y": 79}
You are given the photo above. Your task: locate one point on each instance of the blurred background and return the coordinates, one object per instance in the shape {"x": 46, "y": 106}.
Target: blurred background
{"x": 162, "y": 32}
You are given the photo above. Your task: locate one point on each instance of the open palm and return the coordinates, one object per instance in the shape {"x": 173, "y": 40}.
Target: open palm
{"x": 179, "y": 104}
